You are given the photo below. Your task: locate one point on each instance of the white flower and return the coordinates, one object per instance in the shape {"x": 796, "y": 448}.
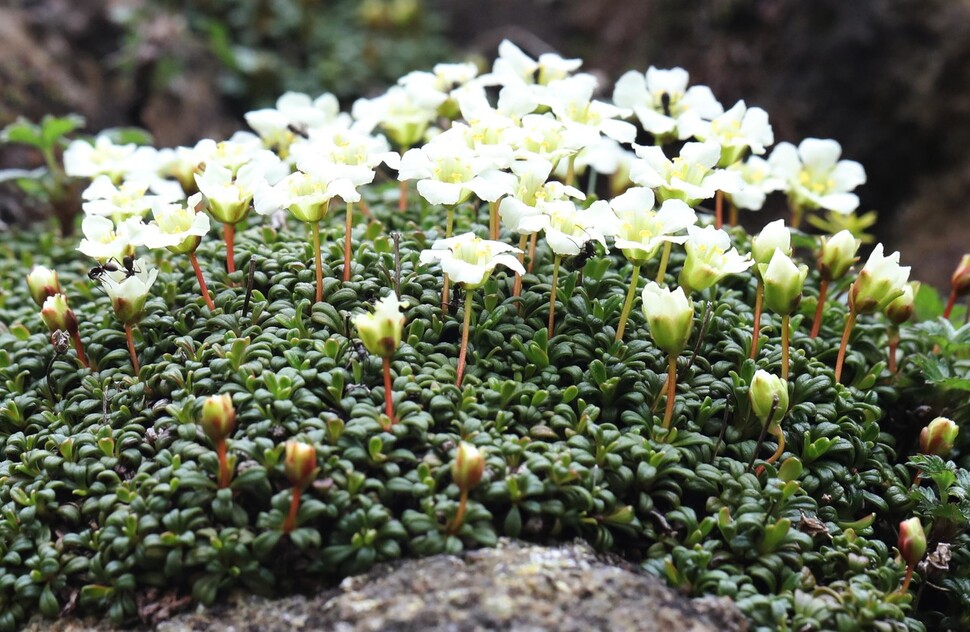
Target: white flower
{"x": 567, "y": 229}
{"x": 84, "y": 160}
{"x": 642, "y": 230}
{"x": 296, "y": 111}
{"x": 487, "y": 134}
{"x": 736, "y": 130}
{"x": 816, "y": 177}
{"x": 103, "y": 240}
{"x": 571, "y": 100}
{"x": 879, "y": 283}
{"x": 512, "y": 66}
{"x": 241, "y": 150}
{"x": 670, "y": 315}
{"x": 691, "y": 176}
{"x": 531, "y": 192}
{"x": 433, "y": 89}
{"x": 710, "y": 258}
{"x": 757, "y": 181}
{"x": 399, "y": 112}
{"x": 129, "y": 293}
{"x": 227, "y": 197}
{"x": 548, "y": 138}
{"x": 177, "y": 227}
{"x": 470, "y": 260}
{"x": 381, "y": 331}
{"x": 306, "y": 196}
{"x": 347, "y": 154}
{"x": 448, "y": 173}
{"x": 128, "y": 199}
{"x": 660, "y": 97}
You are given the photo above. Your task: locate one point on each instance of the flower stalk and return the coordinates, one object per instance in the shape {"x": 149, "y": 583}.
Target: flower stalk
{"x": 628, "y": 303}
{"x": 552, "y": 294}
{"x": 202, "y": 284}
{"x": 849, "y": 324}
{"x": 664, "y": 260}
{"x": 131, "y": 348}
{"x": 823, "y": 289}
{"x": 347, "y": 240}
{"x": 318, "y": 260}
{"x": 671, "y": 390}
{"x": 756, "y": 326}
{"x": 466, "y": 326}
{"x": 719, "y": 209}
{"x": 229, "y": 235}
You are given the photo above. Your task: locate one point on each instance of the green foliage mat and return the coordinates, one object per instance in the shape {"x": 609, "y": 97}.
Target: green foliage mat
{"x": 107, "y": 482}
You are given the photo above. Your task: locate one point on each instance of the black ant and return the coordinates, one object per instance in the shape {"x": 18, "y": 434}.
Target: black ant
{"x": 665, "y": 102}
{"x": 586, "y": 252}
{"x": 127, "y": 264}
{"x": 297, "y": 131}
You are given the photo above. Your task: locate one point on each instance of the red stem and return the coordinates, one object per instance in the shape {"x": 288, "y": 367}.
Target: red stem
{"x": 402, "y": 200}
{"x": 823, "y": 290}
{"x": 671, "y": 389}
{"x": 949, "y": 304}
{"x": 532, "y": 251}
{"x": 718, "y": 209}
{"x": 459, "y": 518}
{"x": 462, "y": 354}
{"x": 909, "y": 576}
{"x": 230, "y": 237}
{"x": 80, "y": 349}
{"x": 733, "y": 214}
{"x": 849, "y": 323}
{"x": 131, "y": 349}
{"x": 388, "y": 395}
{"x": 290, "y": 523}
{"x": 223, "y": 463}
{"x": 756, "y": 330}
{"x": 202, "y": 286}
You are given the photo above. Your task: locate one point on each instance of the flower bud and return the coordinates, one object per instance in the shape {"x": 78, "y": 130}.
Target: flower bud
{"x": 764, "y": 388}
{"x": 938, "y": 437}
{"x": 783, "y": 282}
{"x": 300, "y": 463}
{"x": 837, "y": 255}
{"x": 901, "y": 309}
{"x": 381, "y": 331}
{"x": 879, "y": 283}
{"x": 774, "y": 236}
{"x": 218, "y": 417}
{"x": 670, "y": 316}
{"x": 960, "y": 281}
{"x": 42, "y": 282}
{"x": 468, "y": 466}
{"x": 56, "y": 314}
{"x": 912, "y": 541}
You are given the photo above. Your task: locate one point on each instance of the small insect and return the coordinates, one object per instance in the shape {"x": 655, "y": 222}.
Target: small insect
{"x": 665, "y": 102}
{"x": 297, "y": 131}
{"x": 101, "y": 269}
{"x": 586, "y": 252}
{"x": 129, "y": 265}
{"x": 457, "y": 297}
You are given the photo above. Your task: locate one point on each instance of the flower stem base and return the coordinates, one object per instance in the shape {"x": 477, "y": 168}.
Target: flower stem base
{"x": 202, "y": 285}
{"x": 849, "y": 323}
{"x": 466, "y": 326}
{"x": 628, "y": 303}
{"x": 131, "y": 349}
{"x": 290, "y": 523}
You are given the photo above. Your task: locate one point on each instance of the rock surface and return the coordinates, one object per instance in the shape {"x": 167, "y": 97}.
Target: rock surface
{"x": 515, "y": 586}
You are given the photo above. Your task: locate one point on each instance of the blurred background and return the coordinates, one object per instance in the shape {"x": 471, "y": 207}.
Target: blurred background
{"x": 889, "y": 79}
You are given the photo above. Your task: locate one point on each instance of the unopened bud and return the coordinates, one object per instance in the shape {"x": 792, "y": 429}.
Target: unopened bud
{"x": 837, "y": 255}
{"x": 880, "y": 282}
{"x": 218, "y": 417}
{"x": 938, "y": 437}
{"x": 468, "y": 466}
{"x": 901, "y": 309}
{"x": 300, "y": 463}
{"x": 42, "y": 283}
{"x": 764, "y": 391}
{"x": 670, "y": 316}
{"x": 56, "y": 314}
{"x": 960, "y": 281}
{"x": 912, "y": 541}
{"x": 774, "y": 236}
{"x": 783, "y": 283}
{"x": 381, "y": 331}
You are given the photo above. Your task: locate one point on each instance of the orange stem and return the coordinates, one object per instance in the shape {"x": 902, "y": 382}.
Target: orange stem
{"x": 849, "y": 323}
{"x": 733, "y": 214}
{"x": 202, "y": 286}
{"x": 347, "y": 241}
{"x": 388, "y": 398}
{"x": 131, "y": 349}
{"x": 318, "y": 257}
{"x": 229, "y": 234}
{"x": 493, "y": 225}
{"x": 756, "y": 330}
{"x": 552, "y": 295}
{"x": 402, "y": 200}
{"x": 671, "y": 389}
{"x": 823, "y": 290}
{"x": 290, "y": 523}
{"x": 463, "y": 353}
{"x": 781, "y": 446}
{"x": 517, "y": 285}
{"x": 459, "y": 519}
{"x": 532, "y": 251}
{"x": 909, "y": 576}
{"x": 80, "y": 349}
{"x": 223, "y": 464}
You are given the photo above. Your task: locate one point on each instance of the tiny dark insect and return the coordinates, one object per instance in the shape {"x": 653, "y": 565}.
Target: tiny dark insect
{"x": 101, "y": 269}
{"x": 297, "y": 131}
{"x": 129, "y": 265}
{"x": 586, "y": 252}
{"x": 665, "y": 102}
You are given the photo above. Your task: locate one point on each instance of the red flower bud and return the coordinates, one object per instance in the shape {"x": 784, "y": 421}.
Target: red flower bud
{"x": 468, "y": 466}
{"x": 912, "y": 541}
{"x": 938, "y": 437}
{"x": 300, "y": 463}
{"x": 218, "y": 417}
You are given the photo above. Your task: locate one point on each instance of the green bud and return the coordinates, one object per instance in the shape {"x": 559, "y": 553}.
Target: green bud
{"x": 765, "y": 388}
{"x": 381, "y": 331}
{"x": 938, "y": 437}
{"x": 912, "y": 541}
{"x": 42, "y": 283}
{"x": 218, "y": 417}
{"x": 57, "y": 315}
{"x": 901, "y": 309}
{"x": 783, "y": 282}
{"x": 670, "y": 316}
{"x": 300, "y": 463}
{"x": 837, "y": 255}
{"x": 468, "y": 467}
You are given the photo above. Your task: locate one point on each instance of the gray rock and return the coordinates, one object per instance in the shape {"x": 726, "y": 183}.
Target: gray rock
{"x": 514, "y": 586}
